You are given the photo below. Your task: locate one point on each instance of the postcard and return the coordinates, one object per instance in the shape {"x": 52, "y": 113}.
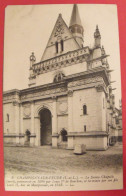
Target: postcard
{"x": 62, "y": 103}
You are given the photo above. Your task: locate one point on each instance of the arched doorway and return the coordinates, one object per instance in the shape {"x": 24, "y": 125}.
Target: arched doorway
{"x": 45, "y": 127}
{"x": 27, "y": 138}
{"x": 63, "y": 135}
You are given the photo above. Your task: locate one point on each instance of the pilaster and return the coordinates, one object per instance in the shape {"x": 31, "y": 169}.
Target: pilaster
{"x": 70, "y": 118}
{"x": 70, "y": 111}
{"x": 54, "y": 123}
{"x": 21, "y": 124}
{"x": 32, "y": 136}
{"x": 16, "y": 118}
{"x": 37, "y": 129}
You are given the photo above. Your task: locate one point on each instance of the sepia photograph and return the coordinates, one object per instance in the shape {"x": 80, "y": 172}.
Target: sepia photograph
{"x": 62, "y": 102}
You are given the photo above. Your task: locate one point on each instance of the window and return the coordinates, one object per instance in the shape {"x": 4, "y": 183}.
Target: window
{"x": 84, "y": 109}
{"x": 64, "y": 135}
{"x": 84, "y": 128}
{"x": 7, "y": 118}
{"x": 56, "y": 47}
{"x": 59, "y": 46}
{"x": 62, "y": 46}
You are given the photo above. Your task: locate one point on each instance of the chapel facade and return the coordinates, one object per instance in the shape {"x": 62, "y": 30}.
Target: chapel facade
{"x": 70, "y": 99}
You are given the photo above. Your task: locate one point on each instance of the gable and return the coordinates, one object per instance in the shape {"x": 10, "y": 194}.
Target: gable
{"x": 60, "y": 32}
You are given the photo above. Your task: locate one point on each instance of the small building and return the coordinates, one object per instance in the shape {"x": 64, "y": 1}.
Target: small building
{"x": 70, "y": 98}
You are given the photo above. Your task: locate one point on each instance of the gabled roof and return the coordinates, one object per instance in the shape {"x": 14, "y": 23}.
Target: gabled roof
{"x": 60, "y": 31}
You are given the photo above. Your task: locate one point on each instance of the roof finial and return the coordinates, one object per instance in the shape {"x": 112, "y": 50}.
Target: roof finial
{"x": 97, "y": 32}
{"x": 32, "y": 59}
{"x": 97, "y": 37}
{"x": 103, "y": 50}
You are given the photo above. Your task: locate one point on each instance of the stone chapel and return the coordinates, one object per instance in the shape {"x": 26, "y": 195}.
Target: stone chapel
{"x": 70, "y": 99}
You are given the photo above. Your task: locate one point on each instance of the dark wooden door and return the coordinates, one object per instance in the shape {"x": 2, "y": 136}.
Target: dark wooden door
{"x": 46, "y": 127}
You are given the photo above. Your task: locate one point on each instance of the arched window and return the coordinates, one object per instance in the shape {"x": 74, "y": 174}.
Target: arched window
{"x": 62, "y": 45}
{"x": 56, "y": 44}
{"x": 64, "y": 135}
{"x": 7, "y": 118}
{"x": 59, "y": 77}
{"x": 84, "y": 109}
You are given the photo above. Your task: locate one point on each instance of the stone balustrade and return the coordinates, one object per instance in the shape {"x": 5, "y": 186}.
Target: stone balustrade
{"x": 67, "y": 59}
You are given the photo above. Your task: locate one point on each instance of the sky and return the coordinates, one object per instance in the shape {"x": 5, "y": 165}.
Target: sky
{"x": 28, "y": 28}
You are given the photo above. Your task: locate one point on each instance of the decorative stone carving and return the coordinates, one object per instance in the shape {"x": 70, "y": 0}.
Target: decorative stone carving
{"x": 23, "y": 97}
{"x": 78, "y": 56}
{"x": 27, "y": 110}
{"x": 62, "y": 107}
{"x": 41, "y": 93}
{"x": 15, "y": 103}
{"x": 100, "y": 88}
{"x": 86, "y": 81}
{"x": 59, "y": 29}
{"x": 70, "y": 93}
{"x": 8, "y": 97}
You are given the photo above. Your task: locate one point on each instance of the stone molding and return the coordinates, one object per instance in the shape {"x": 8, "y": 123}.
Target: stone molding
{"x": 43, "y": 106}
{"x": 11, "y": 95}
{"x": 101, "y": 88}
{"x": 86, "y": 134}
{"x": 90, "y": 79}
{"x": 48, "y": 92}
{"x": 63, "y": 114}
{"x": 55, "y": 135}
{"x": 14, "y": 135}
{"x": 15, "y": 103}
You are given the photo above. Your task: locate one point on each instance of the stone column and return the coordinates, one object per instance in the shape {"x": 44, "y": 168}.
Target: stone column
{"x": 21, "y": 125}
{"x": 16, "y": 118}
{"x": 70, "y": 119}
{"x": 54, "y": 124}
{"x": 32, "y": 136}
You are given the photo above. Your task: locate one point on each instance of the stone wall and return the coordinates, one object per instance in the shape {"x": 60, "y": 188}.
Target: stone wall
{"x": 48, "y": 77}
{"x": 9, "y": 127}
{"x": 95, "y": 111}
